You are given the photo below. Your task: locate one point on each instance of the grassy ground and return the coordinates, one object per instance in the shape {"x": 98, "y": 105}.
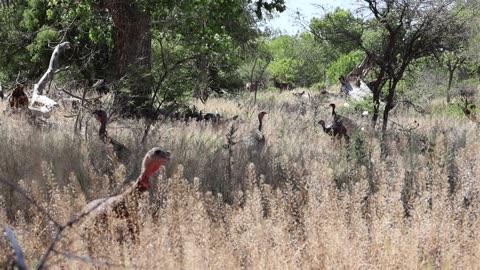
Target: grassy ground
{"x": 304, "y": 201}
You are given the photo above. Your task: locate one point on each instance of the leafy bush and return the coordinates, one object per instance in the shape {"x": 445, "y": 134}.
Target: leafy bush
{"x": 343, "y": 65}
{"x": 37, "y": 48}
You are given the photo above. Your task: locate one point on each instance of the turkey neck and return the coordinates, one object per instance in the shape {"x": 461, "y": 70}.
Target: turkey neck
{"x": 102, "y": 132}
{"x": 143, "y": 180}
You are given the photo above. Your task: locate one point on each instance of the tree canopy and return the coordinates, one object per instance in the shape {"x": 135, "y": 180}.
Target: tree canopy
{"x": 115, "y": 40}
{"x": 393, "y": 35}
{"x": 153, "y": 53}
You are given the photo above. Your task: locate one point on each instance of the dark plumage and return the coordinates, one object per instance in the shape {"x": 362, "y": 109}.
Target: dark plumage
{"x": 120, "y": 151}
{"x": 257, "y": 137}
{"x": 259, "y": 134}
{"x": 18, "y": 97}
{"x": 336, "y": 117}
{"x": 470, "y": 112}
{"x": 336, "y": 130}
{"x": 326, "y": 129}
{"x": 212, "y": 117}
{"x": 342, "y": 126}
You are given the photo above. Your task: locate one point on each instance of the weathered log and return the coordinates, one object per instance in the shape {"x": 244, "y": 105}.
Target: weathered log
{"x": 39, "y": 102}
{"x": 353, "y": 84}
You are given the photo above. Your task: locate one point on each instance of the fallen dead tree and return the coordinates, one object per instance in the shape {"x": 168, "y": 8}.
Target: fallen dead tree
{"x": 39, "y": 103}
{"x": 353, "y": 85}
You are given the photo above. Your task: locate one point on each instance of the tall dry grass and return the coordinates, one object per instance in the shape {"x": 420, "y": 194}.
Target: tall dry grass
{"x": 304, "y": 201}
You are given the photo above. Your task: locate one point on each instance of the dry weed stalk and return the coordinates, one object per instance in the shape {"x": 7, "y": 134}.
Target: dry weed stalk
{"x": 304, "y": 203}
{"x": 60, "y": 228}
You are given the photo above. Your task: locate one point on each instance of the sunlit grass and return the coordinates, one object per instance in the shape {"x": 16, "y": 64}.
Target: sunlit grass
{"x": 304, "y": 202}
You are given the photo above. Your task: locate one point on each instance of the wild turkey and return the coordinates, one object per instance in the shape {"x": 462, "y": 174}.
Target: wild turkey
{"x": 342, "y": 126}
{"x": 18, "y": 98}
{"x": 212, "y": 117}
{"x": 256, "y": 137}
{"x": 125, "y": 205}
{"x": 470, "y": 112}
{"x": 120, "y": 151}
{"x": 327, "y": 129}
{"x": 336, "y": 130}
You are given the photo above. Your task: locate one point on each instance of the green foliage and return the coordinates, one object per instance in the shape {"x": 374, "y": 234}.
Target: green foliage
{"x": 297, "y": 59}
{"x": 284, "y": 65}
{"x": 37, "y": 48}
{"x": 284, "y": 69}
{"x": 260, "y": 5}
{"x": 393, "y": 37}
{"x": 343, "y": 65}
{"x": 318, "y": 86}
{"x": 330, "y": 28}
{"x": 340, "y": 51}
{"x": 186, "y": 56}
{"x": 373, "y": 37}
{"x": 361, "y": 105}
{"x": 451, "y": 110}
{"x": 31, "y": 29}
{"x": 256, "y": 61}
{"x": 34, "y": 15}
{"x": 313, "y": 56}
{"x": 13, "y": 54}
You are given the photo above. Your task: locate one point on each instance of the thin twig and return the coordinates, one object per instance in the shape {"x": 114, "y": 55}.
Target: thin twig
{"x": 415, "y": 107}
{"x": 80, "y": 98}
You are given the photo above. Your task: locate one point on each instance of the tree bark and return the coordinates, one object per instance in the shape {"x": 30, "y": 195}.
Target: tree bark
{"x": 132, "y": 53}
{"x": 376, "y": 87}
{"x": 452, "y": 67}
{"x": 451, "y": 72}
{"x": 39, "y": 103}
{"x": 201, "y": 90}
{"x": 251, "y": 81}
{"x": 389, "y": 103}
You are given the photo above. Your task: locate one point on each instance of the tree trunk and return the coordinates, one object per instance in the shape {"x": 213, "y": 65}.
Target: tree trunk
{"x": 389, "y": 103}
{"x": 202, "y": 85}
{"x": 387, "y": 110}
{"x": 252, "y": 82}
{"x": 451, "y": 72}
{"x": 376, "y": 88}
{"x": 132, "y": 53}
{"x": 376, "y": 108}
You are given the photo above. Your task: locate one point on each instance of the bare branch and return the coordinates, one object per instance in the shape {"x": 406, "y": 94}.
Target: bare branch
{"x": 60, "y": 228}
{"x": 20, "y": 261}
{"x": 40, "y": 103}
{"x": 78, "y": 97}
{"x": 414, "y": 106}
{"x": 52, "y": 67}
{"x": 24, "y": 194}
{"x": 50, "y": 248}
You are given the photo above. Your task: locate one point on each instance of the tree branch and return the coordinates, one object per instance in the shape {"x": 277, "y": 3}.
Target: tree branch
{"x": 38, "y": 88}
{"x": 60, "y": 227}
{"x": 20, "y": 261}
